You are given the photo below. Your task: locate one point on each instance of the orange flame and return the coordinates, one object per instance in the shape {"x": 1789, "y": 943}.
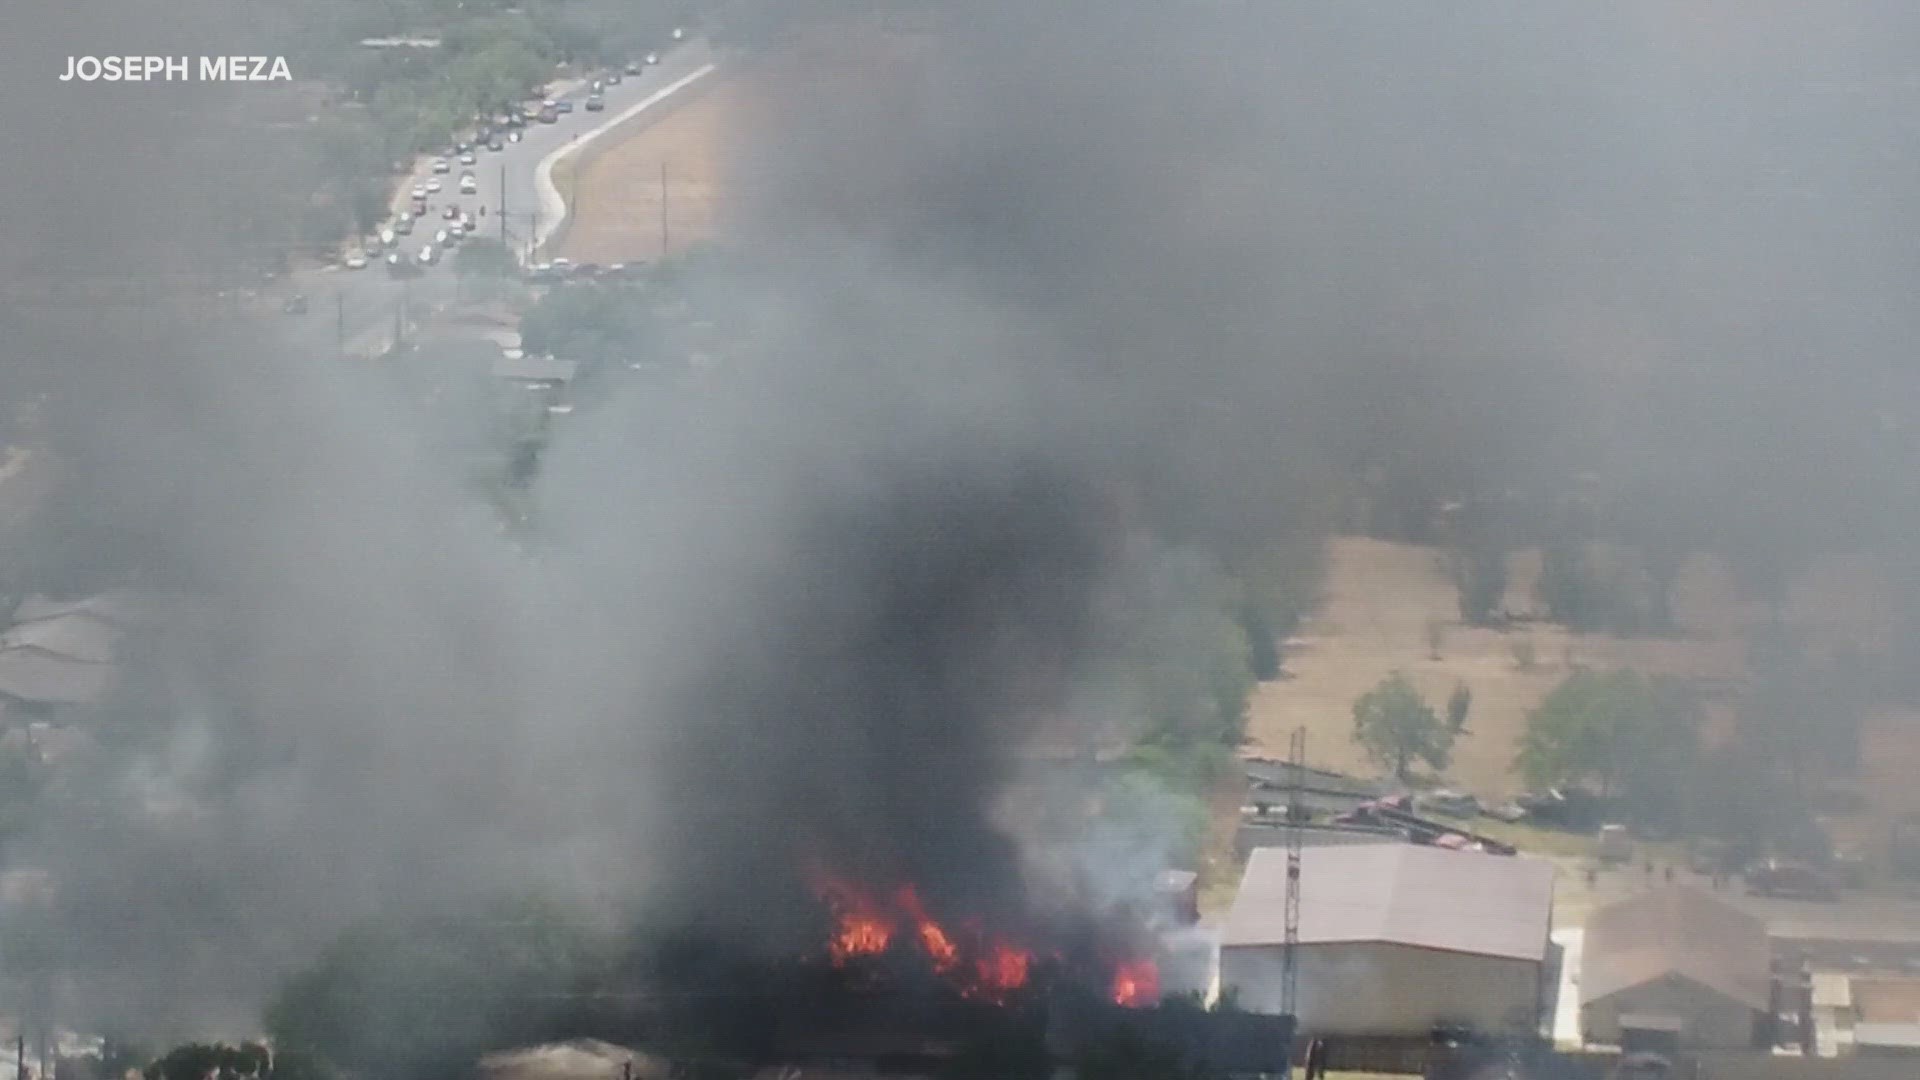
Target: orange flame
{"x": 1136, "y": 983}
{"x": 939, "y": 948}
{"x": 867, "y": 923}
{"x": 1004, "y": 968}
{"x": 865, "y": 930}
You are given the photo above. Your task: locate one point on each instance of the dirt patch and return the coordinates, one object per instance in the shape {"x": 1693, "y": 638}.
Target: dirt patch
{"x": 671, "y": 184}
{"x": 1382, "y": 598}
{"x": 656, "y": 190}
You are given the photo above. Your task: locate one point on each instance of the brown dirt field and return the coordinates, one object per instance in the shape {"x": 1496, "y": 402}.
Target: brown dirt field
{"x": 1887, "y": 1000}
{"x": 707, "y": 142}
{"x": 1380, "y": 598}
{"x": 616, "y": 197}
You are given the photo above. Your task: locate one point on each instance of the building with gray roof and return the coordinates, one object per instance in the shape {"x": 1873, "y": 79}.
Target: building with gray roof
{"x": 1396, "y": 939}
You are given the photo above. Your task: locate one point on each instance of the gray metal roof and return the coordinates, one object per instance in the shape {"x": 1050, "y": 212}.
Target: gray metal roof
{"x": 30, "y": 675}
{"x": 1880, "y": 1033}
{"x": 75, "y": 635}
{"x": 1676, "y": 930}
{"x": 1404, "y": 894}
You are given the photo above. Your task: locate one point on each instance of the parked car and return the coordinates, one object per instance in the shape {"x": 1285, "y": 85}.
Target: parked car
{"x": 1615, "y": 845}
{"x": 1450, "y": 803}
{"x": 596, "y": 103}
{"x": 356, "y": 260}
{"x": 1789, "y": 881}
{"x": 564, "y": 105}
{"x": 403, "y": 225}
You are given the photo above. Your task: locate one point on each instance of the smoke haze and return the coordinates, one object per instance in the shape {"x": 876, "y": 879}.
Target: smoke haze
{"x": 1071, "y": 273}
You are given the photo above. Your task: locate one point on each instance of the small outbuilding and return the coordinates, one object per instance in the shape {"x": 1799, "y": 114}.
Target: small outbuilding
{"x": 1395, "y": 940}
{"x": 1680, "y": 958}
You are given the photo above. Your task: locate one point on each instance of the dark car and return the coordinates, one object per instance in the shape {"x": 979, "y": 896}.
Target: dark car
{"x": 595, "y": 103}
{"x": 1790, "y": 881}
{"x": 495, "y": 144}
{"x": 563, "y": 105}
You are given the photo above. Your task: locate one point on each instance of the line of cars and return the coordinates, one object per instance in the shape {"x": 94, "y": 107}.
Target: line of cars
{"x": 490, "y": 134}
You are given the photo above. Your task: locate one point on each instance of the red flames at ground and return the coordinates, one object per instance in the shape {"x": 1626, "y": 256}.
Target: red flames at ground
{"x": 1136, "y": 983}
{"x": 982, "y": 966}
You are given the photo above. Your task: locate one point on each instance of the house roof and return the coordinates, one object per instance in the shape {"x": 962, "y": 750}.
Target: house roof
{"x": 73, "y": 635}
{"x": 1676, "y": 930}
{"x": 534, "y": 369}
{"x": 1404, "y": 894}
{"x": 30, "y": 675}
{"x": 121, "y": 607}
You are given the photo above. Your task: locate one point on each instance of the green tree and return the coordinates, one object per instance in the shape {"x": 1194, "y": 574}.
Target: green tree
{"x": 1397, "y": 728}
{"x": 1632, "y": 735}
{"x": 425, "y": 996}
{"x": 212, "y": 1061}
{"x": 1480, "y": 576}
{"x": 1458, "y": 706}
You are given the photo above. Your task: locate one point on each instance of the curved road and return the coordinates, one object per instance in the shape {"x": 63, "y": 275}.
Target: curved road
{"x": 359, "y": 309}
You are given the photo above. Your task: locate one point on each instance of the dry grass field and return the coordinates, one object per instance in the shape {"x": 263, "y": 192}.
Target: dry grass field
{"x": 1381, "y": 598}
{"x": 617, "y": 196}
{"x": 699, "y": 154}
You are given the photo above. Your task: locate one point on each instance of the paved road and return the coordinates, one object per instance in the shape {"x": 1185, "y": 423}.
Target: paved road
{"x": 361, "y": 306}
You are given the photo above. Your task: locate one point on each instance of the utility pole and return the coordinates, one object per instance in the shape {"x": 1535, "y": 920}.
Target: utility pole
{"x": 1290, "y": 951}
{"x": 663, "y": 209}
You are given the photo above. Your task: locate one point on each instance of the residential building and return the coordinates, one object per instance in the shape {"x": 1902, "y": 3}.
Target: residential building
{"x": 1675, "y": 959}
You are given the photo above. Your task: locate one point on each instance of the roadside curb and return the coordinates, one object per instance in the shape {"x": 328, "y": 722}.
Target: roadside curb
{"x": 553, "y": 208}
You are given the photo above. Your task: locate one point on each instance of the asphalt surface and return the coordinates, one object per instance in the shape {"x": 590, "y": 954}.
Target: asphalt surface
{"x": 357, "y": 310}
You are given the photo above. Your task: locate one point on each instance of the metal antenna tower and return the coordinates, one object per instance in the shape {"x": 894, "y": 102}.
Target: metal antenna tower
{"x": 1296, "y": 813}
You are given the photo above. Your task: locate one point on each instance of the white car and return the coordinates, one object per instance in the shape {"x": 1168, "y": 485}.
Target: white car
{"x": 467, "y": 158}
{"x": 440, "y": 237}
{"x": 442, "y": 165}
{"x": 433, "y": 186}
{"x": 419, "y": 191}
{"x": 356, "y": 260}
{"x": 653, "y": 58}
{"x": 427, "y": 255}
{"x": 386, "y": 237}
{"x": 468, "y": 185}
{"x": 678, "y": 33}
{"x": 514, "y": 135}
